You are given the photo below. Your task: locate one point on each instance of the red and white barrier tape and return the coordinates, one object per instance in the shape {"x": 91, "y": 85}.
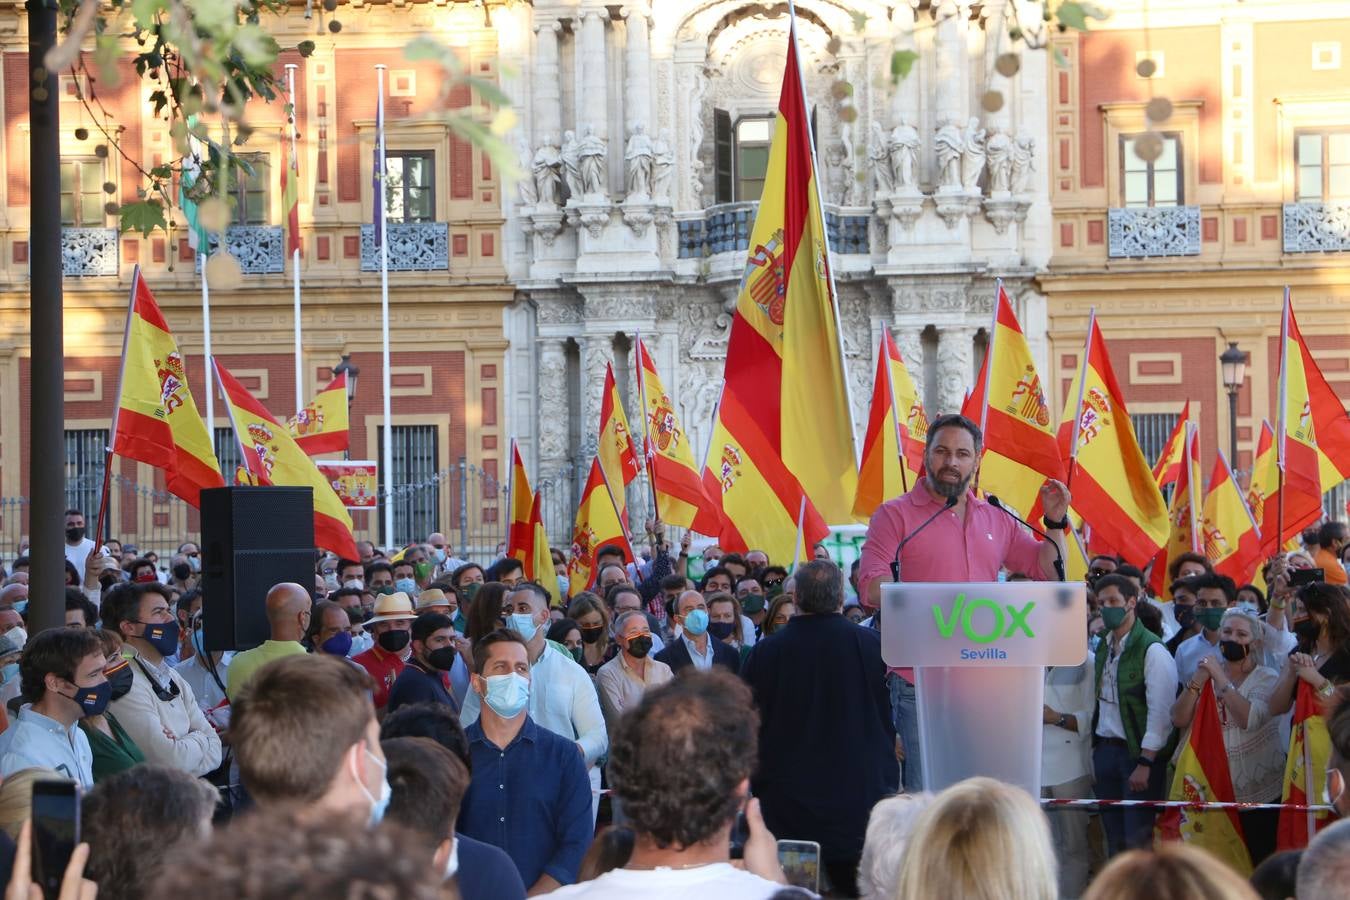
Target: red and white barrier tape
{"x": 1180, "y": 804}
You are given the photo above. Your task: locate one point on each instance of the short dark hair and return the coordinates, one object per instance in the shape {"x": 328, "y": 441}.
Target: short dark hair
{"x": 713, "y": 573}
{"x": 678, "y": 757}
{"x": 484, "y": 644}
{"x": 1332, "y": 530}
{"x": 289, "y": 751}
{"x": 56, "y": 651}
{"x": 952, "y": 420}
{"x": 1129, "y": 571}
{"x": 623, "y": 587}
{"x": 427, "y": 785}
{"x": 535, "y": 588}
{"x": 344, "y": 563}
{"x": 428, "y": 623}
{"x": 377, "y": 565}
{"x": 455, "y": 575}
{"x": 1128, "y": 589}
{"x": 503, "y": 566}
{"x": 431, "y": 720}
{"x": 73, "y": 512}
{"x": 123, "y": 603}
{"x": 1277, "y": 876}
{"x": 345, "y": 592}
{"x": 75, "y": 599}
{"x": 1332, "y": 601}
{"x": 1218, "y": 582}
{"x": 558, "y": 630}
{"x": 1174, "y": 567}
{"x": 1111, "y": 556}
{"x": 733, "y": 559}
{"x": 1150, "y": 616}
{"x": 163, "y": 805}
{"x": 141, "y": 562}
{"x": 820, "y": 587}
{"x": 610, "y": 550}
{"x": 782, "y": 570}
{"x": 1184, "y": 584}
{"x": 674, "y": 583}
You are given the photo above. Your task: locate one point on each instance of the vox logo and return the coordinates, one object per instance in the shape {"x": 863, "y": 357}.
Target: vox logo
{"x": 1002, "y": 623}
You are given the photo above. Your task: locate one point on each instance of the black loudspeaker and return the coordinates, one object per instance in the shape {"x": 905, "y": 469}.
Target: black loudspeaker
{"x": 252, "y": 538}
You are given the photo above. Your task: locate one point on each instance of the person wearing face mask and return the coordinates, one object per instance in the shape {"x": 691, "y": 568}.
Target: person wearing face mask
{"x": 1322, "y": 655}
{"x": 529, "y": 794}
{"x": 389, "y": 627}
{"x": 622, "y": 681}
{"x": 351, "y": 574}
{"x": 1183, "y": 611}
{"x": 405, "y": 577}
{"x": 592, "y": 618}
{"x": 433, "y": 667}
{"x": 1251, "y": 736}
{"x": 289, "y": 610}
{"x": 10, "y": 683}
{"x": 1214, "y": 594}
{"x": 114, "y": 750}
{"x": 695, "y": 646}
{"x": 78, "y": 547}
{"x": 329, "y": 764}
{"x": 207, "y": 673}
{"x": 160, "y": 712}
{"x": 62, "y": 672}
{"x": 380, "y": 578}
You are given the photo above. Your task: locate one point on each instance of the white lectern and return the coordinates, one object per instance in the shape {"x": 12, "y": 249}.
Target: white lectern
{"x": 979, "y": 652}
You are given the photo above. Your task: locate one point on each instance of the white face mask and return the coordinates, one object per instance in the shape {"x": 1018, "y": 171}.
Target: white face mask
{"x": 361, "y": 643}
{"x": 18, "y": 635}
{"x": 452, "y": 864}
{"x": 355, "y": 583}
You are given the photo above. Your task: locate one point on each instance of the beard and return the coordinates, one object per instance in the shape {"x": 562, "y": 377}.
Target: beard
{"x": 945, "y": 488}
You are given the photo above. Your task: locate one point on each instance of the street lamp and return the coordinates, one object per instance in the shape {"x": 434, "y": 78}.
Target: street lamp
{"x": 1234, "y": 365}
{"x": 352, "y": 371}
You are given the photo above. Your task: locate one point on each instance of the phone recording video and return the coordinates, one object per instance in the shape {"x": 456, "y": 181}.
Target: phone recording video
{"x": 801, "y": 864}
{"x": 56, "y": 831}
{"x": 1300, "y": 577}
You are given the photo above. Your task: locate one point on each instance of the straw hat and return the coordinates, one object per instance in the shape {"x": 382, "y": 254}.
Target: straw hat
{"x": 432, "y": 597}
{"x": 392, "y": 608}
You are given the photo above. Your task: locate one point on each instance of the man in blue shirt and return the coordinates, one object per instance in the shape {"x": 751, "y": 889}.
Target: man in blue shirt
{"x": 62, "y": 674}
{"x": 529, "y": 795}
{"x": 424, "y": 678}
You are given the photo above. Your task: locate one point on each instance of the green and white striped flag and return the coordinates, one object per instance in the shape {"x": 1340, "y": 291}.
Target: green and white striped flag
{"x": 198, "y": 238}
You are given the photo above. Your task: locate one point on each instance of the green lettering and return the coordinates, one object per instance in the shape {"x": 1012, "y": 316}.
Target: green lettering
{"x": 1018, "y": 619}
{"x": 946, "y": 626}
{"x": 969, "y": 629}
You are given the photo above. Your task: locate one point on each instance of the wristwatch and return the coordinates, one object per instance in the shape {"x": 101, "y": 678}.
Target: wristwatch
{"x": 1145, "y": 762}
{"x": 1058, "y": 525}
{"x": 1062, "y": 719}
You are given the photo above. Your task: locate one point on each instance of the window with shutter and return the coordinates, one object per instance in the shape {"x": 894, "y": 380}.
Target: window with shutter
{"x": 724, "y": 151}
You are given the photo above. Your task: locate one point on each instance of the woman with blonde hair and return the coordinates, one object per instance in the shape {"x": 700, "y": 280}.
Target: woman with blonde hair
{"x": 16, "y": 797}
{"x": 1172, "y": 872}
{"x": 980, "y": 839}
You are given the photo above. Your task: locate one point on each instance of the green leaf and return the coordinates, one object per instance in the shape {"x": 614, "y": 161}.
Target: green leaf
{"x": 1071, "y": 14}
{"x": 143, "y": 216}
{"x": 902, "y": 62}
{"x": 256, "y": 46}
{"x": 144, "y": 12}
{"x": 424, "y": 48}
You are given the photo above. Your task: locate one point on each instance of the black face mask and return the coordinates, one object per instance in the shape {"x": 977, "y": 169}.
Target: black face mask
{"x": 639, "y": 647}
{"x": 1306, "y": 630}
{"x": 393, "y": 641}
{"x": 442, "y": 659}
{"x": 182, "y": 571}
{"x": 1233, "y": 651}
{"x": 591, "y": 634}
{"x": 1185, "y": 613}
{"x": 120, "y": 677}
{"x": 75, "y": 534}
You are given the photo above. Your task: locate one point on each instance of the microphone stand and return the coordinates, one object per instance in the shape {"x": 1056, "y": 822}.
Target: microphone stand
{"x": 1059, "y": 554}
{"x": 895, "y": 564}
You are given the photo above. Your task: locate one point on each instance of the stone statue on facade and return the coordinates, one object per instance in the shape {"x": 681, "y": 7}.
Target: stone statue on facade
{"x": 972, "y": 156}
{"x": 546, "y": 167}
{"x": 592, "y": 153}
{"x": 878, "y": 158}
{"x": 949, "y": 146}
{"x": 1023, "y": 163}
{"x": 904, "y": 153}
{"x": 663, "y": 165}
{"x": 836, "y": 184}
{"x": 525, "y": 187}
{"x": 571, "y": 165}
{"x": 639, "y": 156}
{"x": 998, "y": 153}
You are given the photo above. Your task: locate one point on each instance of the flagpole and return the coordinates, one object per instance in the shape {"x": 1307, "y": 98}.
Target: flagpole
{"x": 647, "y": 449}
{"x": 901, "y": 431}
{"x": 1282, "y": 421}
{"x": 117, "y": 407}
{"x": 206, "y": 348}
{"x": 1078, "y": 406}
{"x": 797, "y": 548}
{"x": 824, "y": 233}
{"x": 987, "y": 368}
{"x": 1189, "y": 452}
{"x": 294, "y": 167}
{"x": 238, "y": 438}
{"x": 383, "y": 212}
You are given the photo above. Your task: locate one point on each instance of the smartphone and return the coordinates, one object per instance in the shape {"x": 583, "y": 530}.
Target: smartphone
{"x": 56, "y": 831}
{"x": 740, "y": 833}
{"x": 801, "y": 863}
{"x": 1300, "y": 577}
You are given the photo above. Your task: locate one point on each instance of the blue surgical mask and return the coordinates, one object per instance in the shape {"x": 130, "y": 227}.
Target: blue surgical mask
{"x": 696, "y": 622}
{"x": 406, "y": 585}
{"x": 361, "y": 643}
{"x": 563, "y": 584}
{"x": 507, "y": 695}
{"x": 1249, "y": 606}
{"x": 339, "y": 644}
{"x": 198, "y": 638}
{"x": 523, "y": 625}
{"x": 9, "y": 673}
{"x": 378, "y": 806}
{"x": 21, "y": 606}
{"x": 438, "y": 555}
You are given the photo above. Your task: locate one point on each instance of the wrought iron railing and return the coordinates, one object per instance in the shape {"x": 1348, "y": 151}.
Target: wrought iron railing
{"x": 88, "y": 252}
{"x": 1153, "y": 231}
{"x": 1316, "y": 227}
{"x": 726, "y": 227}
{"x": 413, "y": 247}
{"x": 260, "y": 249}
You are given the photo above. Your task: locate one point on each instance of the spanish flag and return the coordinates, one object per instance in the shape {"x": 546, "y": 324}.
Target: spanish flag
{"x": 520, "y": 502}
{"x": 156, "y": 421}
{"x": 597, "y": 525}
{"x": 540, "y": 566}
{"x": 1331, "y": 427}
{"x": 884, "y": 473}
{"x": 759, "y": 499}
{"x": 680, "y": 498}
{"x": 784, "y": 359}
{"x": 1297, "y": 499}
{"x": 1182, "y": 514}
{"x": 1264, "y": 483}
{"x": 290, "y": 192}
{"x": 1168, "y": 466}
{"x": 1305, "y": 772}
{"x": 273, "y": 458}
{"x": 1009, "y": 404}
{"x": 1202, "y": 776}
{"x": 321, "y": 427}
{"x": 1230, "y": 534}
{"x": 914, "y": 434}
{"x": 1112, "y": 484}
{"x": 618, "y": 456}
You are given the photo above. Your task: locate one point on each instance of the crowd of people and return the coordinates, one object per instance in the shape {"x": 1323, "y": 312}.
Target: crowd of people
{"x": 419, "y": 725}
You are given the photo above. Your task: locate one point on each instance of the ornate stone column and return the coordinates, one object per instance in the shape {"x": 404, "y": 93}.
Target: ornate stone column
{"x": 956, "y": 360}
{"x": 637, "y": 67}
{"x": 909, "y": 341}
{"x": 547, "y": 85}
{"x": 554, "y": 416}
{"x": 593, "y": 98}
{"x": 950, "y": 61}
{"x": 596, "y": 350}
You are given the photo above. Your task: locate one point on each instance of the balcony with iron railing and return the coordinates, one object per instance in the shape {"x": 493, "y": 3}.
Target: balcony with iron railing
{"x": 725, "y": 228}
{"x": 413, "y": 247}
{"x": 1316, "y": 227}
{"x": 260, "y": 249}
{"x": 1153, "y": 232}
{"x": 88, "y": 252}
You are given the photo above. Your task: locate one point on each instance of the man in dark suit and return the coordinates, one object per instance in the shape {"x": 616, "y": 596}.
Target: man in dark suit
{"x": 694, "y": 647}
{"x": 798, "y": 675}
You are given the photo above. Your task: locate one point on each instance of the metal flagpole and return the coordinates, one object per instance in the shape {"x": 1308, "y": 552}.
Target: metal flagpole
{"x": 294, "y": 166}
{"x": 206, "y": 348}
{"x": 383, "y": 216}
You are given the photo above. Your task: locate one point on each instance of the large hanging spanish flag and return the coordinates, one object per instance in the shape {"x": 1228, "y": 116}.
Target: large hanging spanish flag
{"x": 321, "y": 427}
{"x": 1297, "y": 499}
{"x": 1263, "y": 484}
{"x": 597, "y": 525}
{"x": 1113, "y": 486}
{"x": 618, "y": 457}
{"x": 680, "y": 498}
{"x": 1168, "y": 466}
{"x": 272, "y": 457}
{"x": 1008, "y": 402}
{"x": 884, "y": 473}
{"x": 1182, "y": 514}
{"x": 1305, "y": 772}
{"x": 1202, "y": 776}
{"x": 784, "y": 357}
{"x": 1331, "y": 427}
{"x": 156, "y": 421}
{"x": 1231, "y": 537}
{"x": 519, "y": 502}
{"x": 757, "y": 496}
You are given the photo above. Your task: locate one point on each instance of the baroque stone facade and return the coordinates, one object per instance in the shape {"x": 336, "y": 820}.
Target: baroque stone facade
{"x": 928, "y": 197}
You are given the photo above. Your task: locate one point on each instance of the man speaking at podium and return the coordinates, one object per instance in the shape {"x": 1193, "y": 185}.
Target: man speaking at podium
{"x": 948, "y": 534}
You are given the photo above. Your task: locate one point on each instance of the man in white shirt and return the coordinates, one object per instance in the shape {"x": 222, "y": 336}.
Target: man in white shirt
{"x": 78, "y": 547}
{"x": 1214, "y": 594}
{"x": 684, "y": 734}
{"x": 1136, "y": 685}
{"x": 1066, "y": 770}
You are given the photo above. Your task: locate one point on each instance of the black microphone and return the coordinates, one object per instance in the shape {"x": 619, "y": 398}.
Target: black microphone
{"x": 895, "y": 565}
{"x": 1059, "y": 554}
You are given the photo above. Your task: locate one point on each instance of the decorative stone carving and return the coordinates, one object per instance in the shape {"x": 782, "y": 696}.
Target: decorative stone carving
{"x": 1023, "y": 163}
{"x": 1316, "y": 227}
{"x": 619, "y": 308}
{"x": 638, "y": 215}
{"x": 93, "y": 251}
{"x": 837, "y": 173}
{"x": 956, "y": 360}
{"x": 556, "y": 312}
{"x": 879, "y": 159}
{"x": 998, "y": 157}
{"x": 972, "y": 156}
{"x": 525, "y": 187}
{"x": 552, "y": 392}
{"x": 903, "y": 153}
{"x": 639, "y": 156}
{"x": 593, "y": 154}
{"x": 571, "y": 165}
{"x": 1153, "y": 231}
{"x": 663, "y": 166}
{"x": 949, "y": 145}
{"x": 413, "y": 246}
{"x": 547, "y": 169}
{"x": 695, "y": 86}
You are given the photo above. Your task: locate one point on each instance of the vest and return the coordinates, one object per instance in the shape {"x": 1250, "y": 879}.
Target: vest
{"x": 1130, "y": 689}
